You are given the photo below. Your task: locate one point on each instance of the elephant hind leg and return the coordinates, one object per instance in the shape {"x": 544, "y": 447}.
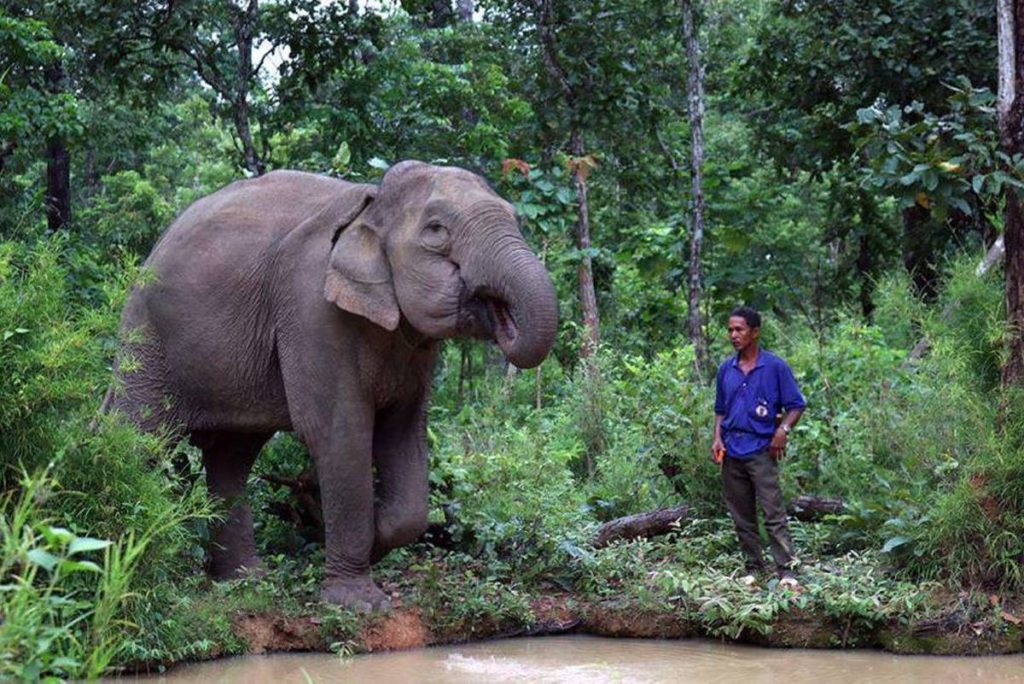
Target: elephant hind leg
{"x": 228, "y": 457}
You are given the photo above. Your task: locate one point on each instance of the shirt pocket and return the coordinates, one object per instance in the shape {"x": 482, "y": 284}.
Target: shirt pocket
{"x": 761, "y": 411}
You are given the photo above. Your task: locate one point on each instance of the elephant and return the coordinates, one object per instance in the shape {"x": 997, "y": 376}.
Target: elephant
{"x": 304, "y": 303}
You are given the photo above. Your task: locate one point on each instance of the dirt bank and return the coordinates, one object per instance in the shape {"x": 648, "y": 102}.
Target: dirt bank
{"x": 407, "y": 627}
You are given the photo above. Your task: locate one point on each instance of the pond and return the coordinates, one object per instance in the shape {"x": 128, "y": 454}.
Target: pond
{"x": 596, "y": 660}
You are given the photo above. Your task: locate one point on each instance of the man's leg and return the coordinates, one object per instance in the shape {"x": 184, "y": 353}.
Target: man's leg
{"x": 738, "y": 490}
{"x": 764, "y": 472}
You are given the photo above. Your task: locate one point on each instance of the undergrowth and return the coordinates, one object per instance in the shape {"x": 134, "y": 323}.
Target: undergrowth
{"x": 103, "y": 528}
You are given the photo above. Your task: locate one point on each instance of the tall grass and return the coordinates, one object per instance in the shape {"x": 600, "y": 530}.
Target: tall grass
{"x": 68, "y": 610}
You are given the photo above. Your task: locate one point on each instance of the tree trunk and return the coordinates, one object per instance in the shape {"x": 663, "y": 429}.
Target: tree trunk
{"x": 253, "y": 162}
{"x": 58, "y": 165}
{"x": 864, "y": 253}
{"x": 588, "y": 296}
{"x": 6, "y": 150}
{"x": 546, "y": 30}
{"x": 440, "y": 13}
{"x": 1010, "y": 16}
{"x": 810, "y": 508}
{"x": 465, "y": 9}
{"x": 918, "y": 256}
{"x": 650, "y": 524}
{"x": 245, "y": 27}
{"x": 695, "y": 100}
{"x": 593, "y": 422}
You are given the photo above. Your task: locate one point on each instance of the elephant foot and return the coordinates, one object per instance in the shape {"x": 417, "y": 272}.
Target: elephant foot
{"x": 250, "y": 567}
{"x": 355, "y": 593}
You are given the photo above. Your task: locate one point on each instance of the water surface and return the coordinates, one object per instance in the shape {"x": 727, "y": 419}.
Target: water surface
{"x": 595, "y": 660}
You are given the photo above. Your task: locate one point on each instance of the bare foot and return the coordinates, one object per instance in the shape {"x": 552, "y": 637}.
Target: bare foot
{"x": 357, "y": 593}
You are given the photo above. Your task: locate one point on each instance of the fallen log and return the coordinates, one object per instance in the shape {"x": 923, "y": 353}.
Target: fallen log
{"x": 809, "y": 508}
{"x": 304, "y": 508}
{"x": 650, "y": 524}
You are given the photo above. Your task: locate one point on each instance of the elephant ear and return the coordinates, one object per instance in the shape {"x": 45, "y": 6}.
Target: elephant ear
{"x": 359, "y": 277}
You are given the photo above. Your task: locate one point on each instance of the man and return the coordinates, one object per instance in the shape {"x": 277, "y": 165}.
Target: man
{"x": 752, "y": 389}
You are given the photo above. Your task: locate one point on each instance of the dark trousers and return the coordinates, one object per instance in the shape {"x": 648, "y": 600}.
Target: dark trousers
{"x": 745, "y": 483}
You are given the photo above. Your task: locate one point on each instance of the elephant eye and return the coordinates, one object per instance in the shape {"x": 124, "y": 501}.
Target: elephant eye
{"x": 435, "y": 234}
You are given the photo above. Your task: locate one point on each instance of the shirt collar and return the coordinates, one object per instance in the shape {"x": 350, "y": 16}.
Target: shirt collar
{"x": 757, "y": 364}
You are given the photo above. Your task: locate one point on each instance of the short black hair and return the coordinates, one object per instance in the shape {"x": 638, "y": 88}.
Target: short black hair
{"x": 749, "y": 314}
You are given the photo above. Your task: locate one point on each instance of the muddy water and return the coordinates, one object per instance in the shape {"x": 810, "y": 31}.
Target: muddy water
{"x": 593, "y": 660}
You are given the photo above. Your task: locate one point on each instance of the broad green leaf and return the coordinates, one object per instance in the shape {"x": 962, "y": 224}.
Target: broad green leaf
{"x": 84, "y": 544}
{"x": 894, "y": 543}
{"x": 43, "y": 559}
{"x": 57, "y": 535}
{"x": 64, "y": 662}
{"x": 342, "y": 157}
{"x": 960, "y": 204}
{"x": 910, "y": 178}
{"x": 565, "y": 195}
{"x": 79, "y": 566}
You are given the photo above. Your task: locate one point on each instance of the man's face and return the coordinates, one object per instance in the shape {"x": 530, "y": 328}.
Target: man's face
{"x": 740, "y": 334}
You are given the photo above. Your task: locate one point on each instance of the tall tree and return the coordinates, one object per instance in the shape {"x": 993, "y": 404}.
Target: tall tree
{"x": 58, "y": 59}
{"x": 218, "y": 42}
{"x": 1010, "y": 107}
{"x": 33, "y": 65}
{"x": 810, "y": 69}
{"x": 572, "y": 88}
{"x": 695, "y": 107}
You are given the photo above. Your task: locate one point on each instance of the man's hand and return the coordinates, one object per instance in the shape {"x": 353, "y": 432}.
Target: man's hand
{"x": 717, "y": 447}
{"x": 778, "y": 446}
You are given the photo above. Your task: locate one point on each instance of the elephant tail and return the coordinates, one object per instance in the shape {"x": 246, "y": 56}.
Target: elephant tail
{"x": 108, "y": 401}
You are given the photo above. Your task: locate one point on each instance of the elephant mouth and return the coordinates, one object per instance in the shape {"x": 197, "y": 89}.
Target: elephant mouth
{"x": 493, "y": 318}
{"x": 500, "y": 321}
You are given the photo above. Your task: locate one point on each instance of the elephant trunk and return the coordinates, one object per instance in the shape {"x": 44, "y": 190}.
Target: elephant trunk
{"x": 520, "y": 300}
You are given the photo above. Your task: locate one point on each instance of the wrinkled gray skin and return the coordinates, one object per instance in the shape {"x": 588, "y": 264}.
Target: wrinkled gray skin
{"x": 299, "y": 302}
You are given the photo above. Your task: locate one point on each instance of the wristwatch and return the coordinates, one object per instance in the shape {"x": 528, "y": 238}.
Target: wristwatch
{"x": 785, "y": 428}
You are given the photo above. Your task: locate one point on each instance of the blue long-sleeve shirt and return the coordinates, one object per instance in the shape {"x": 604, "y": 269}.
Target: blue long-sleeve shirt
{"x": 749, "y": 403}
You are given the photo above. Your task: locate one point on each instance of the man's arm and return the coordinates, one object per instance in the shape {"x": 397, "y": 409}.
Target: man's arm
{"x": 793, "y": 403}
{"x": 717, "y": 445}
{"x": 781, "y": 436}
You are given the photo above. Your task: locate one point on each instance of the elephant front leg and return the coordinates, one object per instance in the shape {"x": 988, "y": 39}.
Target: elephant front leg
{"x": 344, "y": 468}
{"x": 400, "y": 457}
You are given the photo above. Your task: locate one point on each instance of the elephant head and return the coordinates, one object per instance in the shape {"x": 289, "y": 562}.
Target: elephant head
{"x": 438, "y": 247}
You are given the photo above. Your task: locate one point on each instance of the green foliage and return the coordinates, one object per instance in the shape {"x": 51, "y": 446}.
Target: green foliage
{"x": 460, "y": 596}
{"x": 27, "y": 49}
{"x": 811, "y": 70}
{"x": 694, "y": 575}
{"x": 65, "y": 613}
{"x": 658, "y": 419}
{"x": 524, "y": 460}
{"x": 50, "y": 361}
{"x": 128, "y": 211}
{"x": 940, "y": 162}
